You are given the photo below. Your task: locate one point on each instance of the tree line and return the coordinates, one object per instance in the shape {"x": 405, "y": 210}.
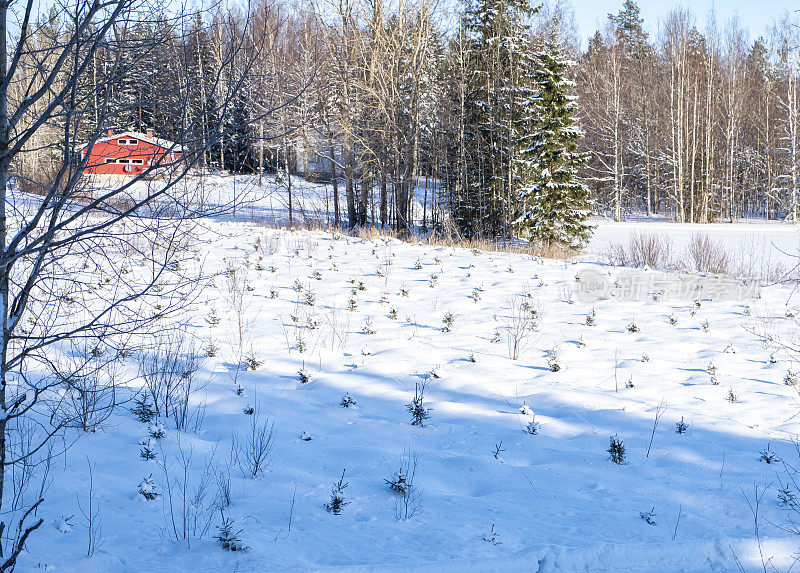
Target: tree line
{"x": 487, "y": 120}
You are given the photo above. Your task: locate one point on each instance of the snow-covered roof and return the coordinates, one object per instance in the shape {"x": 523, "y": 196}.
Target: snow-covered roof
{"x": 165, "y": 143}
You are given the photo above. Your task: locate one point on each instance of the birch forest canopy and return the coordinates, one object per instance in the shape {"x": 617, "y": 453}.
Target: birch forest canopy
{"x": 485, "y": 119}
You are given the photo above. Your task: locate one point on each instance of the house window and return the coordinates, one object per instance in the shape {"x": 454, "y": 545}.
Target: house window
{"x": 128, "y": 141}
{"x": 136, "y": 161}
{"x": 110, "y": 160}
{"x": 122, "y": 160}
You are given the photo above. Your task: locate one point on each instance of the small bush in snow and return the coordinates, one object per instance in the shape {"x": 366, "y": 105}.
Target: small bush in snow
{"x": 616, "y": 450}
{"x": 418, "y": 265}
{"x": 591, "y": 318}
{"x": 297, "y": 286}
{"x": 211, "y": 349}
{"x": 673, "y": 320}
{"x": 552, "y": 360}
{"x": 156, "y": 430}
{"x": 248, "y": 410}
{"x": 393, "y": 313}
{"x": 491, "y": 537}
{"x": 498, "y": 449}
{"x": 471, "y": 358}
{"x": 273, "y": 293}
{"x": 213, "y": 319}
{"x": 447, "y": 321}
{"x": 681, "y": 427}
{"x": 732, "y": 396}
{"x": 433, "y": 281}
{"x": 417, "y": 409}
{"x": 649, "y": 516}
{"x": 633, "y": 328}
{"x": 791, "y": 378}
{"x": 352, "y": 304}
{"x": 367, "y": 328}
{"x": 228, "y": 538}
{"x": 787, "y": 497}
{"x": 311, "y": 298}
{"x": 147, "y": 489}
{"x": 338, "y": 501}
{"x": 252, "y": 361}
{"x": 304, "y": 376}
{"x": 305, "y": 436}
{"x": 768, "y": 456}
{"x": 705, "y": 326}
{"x": 147, "y": 452}
{"x": 347, "y": 401}
{"x": 143, "y": 410}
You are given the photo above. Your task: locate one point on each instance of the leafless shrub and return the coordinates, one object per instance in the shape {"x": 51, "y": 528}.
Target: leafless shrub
{"x": 190, "y": 504}
{"x": 169, "y": 369}
{"x": 707, "y": 255}
{"x": 252, "y": 452}
{"x": 522, "y": 321}
{"x": 408, "y": 497}
{"x": 642, "y": 250}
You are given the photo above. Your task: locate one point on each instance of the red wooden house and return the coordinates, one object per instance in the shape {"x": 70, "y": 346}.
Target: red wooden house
{"x": 128, "y": 153}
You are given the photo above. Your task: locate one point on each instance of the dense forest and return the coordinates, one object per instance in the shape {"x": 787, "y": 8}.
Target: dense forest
{"x": 495, "y": 114}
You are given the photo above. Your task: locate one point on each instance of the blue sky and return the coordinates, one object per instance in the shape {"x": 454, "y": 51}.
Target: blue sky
{"x": 754, "y": 15}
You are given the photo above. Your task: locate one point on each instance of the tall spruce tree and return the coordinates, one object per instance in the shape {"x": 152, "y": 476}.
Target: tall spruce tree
{"x": 498, "y": 111}
{"x": 556, "y": 203}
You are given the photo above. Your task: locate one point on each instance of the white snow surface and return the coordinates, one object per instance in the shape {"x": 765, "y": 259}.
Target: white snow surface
{"x": 555, "y": 500}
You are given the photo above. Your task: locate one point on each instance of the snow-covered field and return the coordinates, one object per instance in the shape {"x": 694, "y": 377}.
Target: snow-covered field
{"x": 373, "y": 319}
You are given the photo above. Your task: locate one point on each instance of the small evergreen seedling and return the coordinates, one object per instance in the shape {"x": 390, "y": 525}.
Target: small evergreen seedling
{"x": 649, "y": 517}
{"x": 156, "y": 430}
{"x": 787, "y": 497}
{"x": 147, "y": 452}
{"x": 732, "y": 396}
{"x": 252, "y": 361}
{"x": 305, "y": 436}
{"x": 616, "y": 450}
{"x": 393, "y": 313}
{"x": 533, "y": 427}
{"x": 791, "y": 378}
{"x": 304, "y": 376}
{"x": 311, "y": 298}
{"x": 399, "y": 483}
{"x": 768, "y": 456}
{"x": 681, "y": 427}
{"x": 553, "y": 362}
{"x": 228, "y": 538}
{"x": 368, "y": 328}
{"x": 352, "y": 304}
{"x": 297, "y": 286}
{"x": 591, "y": 318}
{"x": 498, "y": 449}
{"x": 147, "y": 489}
{"x": 705, "y": 326}
{"x": 337, "y": 503}
{"x": 447, "y": 321}
{"x": 347, "y": 401}
{"x": 248, "y": 411}
{"x": 143, "y": 410}
{"x": 633, "y": 328}
{"x": 416, "y": 408}
{"x": 471, "y": 358}
{"x": 213, "y": 319}
{"x": 491, "y": 537}
{"x": 673, "y": 320}
{"x": 211, "y": 349}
